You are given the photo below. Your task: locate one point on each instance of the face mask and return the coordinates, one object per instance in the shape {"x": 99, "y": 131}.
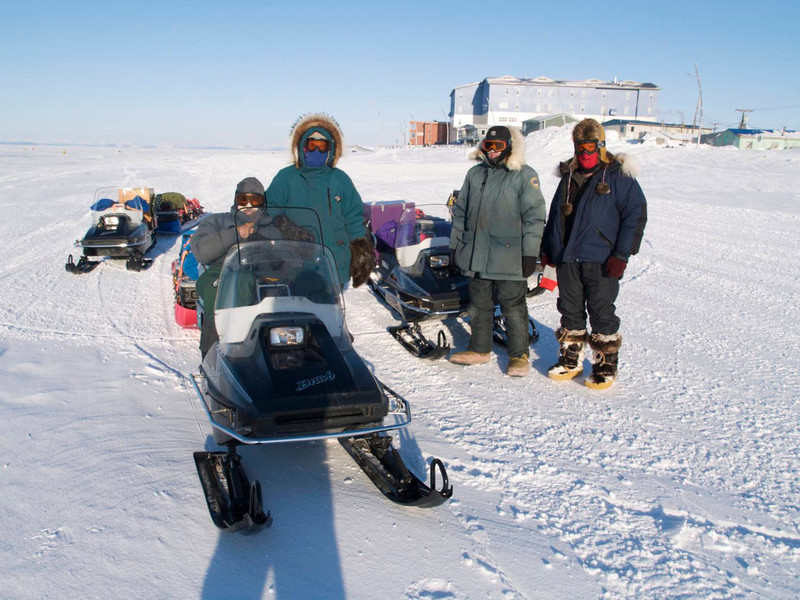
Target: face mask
{"x": 588, "y": 161}
{"x": 315, "y": 158}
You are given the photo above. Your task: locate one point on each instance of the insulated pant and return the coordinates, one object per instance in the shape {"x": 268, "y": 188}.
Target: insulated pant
{"x": 584, "y": 287}
{"x": 510, "y": 295}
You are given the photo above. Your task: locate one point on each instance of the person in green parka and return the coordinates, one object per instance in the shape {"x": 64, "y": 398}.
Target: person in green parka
{"x": 498, "y": 220}
{"x": 314, "y": 181}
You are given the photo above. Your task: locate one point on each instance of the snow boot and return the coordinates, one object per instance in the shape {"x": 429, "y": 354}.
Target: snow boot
{"x": 468, "y": 357}
{"x": 572, "y": 343}
{"x": 604, "y": 363}
{"x": 518, "y": 366}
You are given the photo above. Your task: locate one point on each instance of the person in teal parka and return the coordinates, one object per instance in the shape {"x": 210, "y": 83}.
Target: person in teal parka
{"x": 314, "y": 181}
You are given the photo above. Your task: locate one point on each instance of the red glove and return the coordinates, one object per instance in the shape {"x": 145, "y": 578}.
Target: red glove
{"x": 544, "y": 260}
{"x": 615, "y": 267}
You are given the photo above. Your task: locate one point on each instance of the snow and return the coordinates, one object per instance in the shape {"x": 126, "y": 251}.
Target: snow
{"x": 680, "y": 481}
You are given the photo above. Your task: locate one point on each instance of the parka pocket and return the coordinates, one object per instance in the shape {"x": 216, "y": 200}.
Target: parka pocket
{"x": 505, "y": 255}
{"x": 604, "y": 237}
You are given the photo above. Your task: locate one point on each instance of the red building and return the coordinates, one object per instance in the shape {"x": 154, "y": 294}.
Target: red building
{"x": 428, "y": 133}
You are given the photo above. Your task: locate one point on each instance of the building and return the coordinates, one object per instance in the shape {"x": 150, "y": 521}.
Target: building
{"x": 428, "y": 133}
{"x": 633, "y": 129}
{"x": 756, "y": 139}
{"x": 543, "y": 122}
{"x": 512, "y": 101}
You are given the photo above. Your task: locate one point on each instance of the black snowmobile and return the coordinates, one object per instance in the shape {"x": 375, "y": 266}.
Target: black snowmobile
{"x": 284, "y": 370}
{"x": 413, "y": 274}
{"x": 123, "y": 226}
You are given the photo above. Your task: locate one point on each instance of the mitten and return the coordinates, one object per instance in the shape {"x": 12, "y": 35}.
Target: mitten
{"x": 528, "y": 265}
{"x": 615, "y": 267}
{"x": 362, "y": 259}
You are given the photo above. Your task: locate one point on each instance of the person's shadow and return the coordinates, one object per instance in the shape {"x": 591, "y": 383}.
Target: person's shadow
{"x": 298, "y": 555}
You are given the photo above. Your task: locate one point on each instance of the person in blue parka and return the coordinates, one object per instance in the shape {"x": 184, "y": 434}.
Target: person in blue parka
{"x": 596, "y": 223}
{"x": 314, "y": 181}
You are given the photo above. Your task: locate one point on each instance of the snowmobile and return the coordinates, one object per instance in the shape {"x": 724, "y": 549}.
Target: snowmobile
{"x": 284, "y": 370}
{"x": 123, "y": 226}
{"x": 173, "y": 210}
{"x": 413, "y": 274}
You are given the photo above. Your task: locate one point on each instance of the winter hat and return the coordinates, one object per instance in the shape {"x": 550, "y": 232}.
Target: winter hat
{"x": 589, "y": 129}
{"x": 250, "y": 185}
{"x": 501, "y": 133}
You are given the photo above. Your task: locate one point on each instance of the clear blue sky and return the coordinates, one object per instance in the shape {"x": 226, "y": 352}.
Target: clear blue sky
{"x": 240, "y": 73}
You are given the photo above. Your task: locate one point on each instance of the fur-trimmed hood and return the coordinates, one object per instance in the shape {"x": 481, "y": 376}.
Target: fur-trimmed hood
{"x": 305, "y": 126}
{"x": 516, "y": 159}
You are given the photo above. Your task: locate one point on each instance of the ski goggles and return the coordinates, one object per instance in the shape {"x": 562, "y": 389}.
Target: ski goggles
{"x": 588, "y": 146}
{"x": 317, "y": 144}
{"x": 254, "y": 200}
{"x": 494, "y": 145}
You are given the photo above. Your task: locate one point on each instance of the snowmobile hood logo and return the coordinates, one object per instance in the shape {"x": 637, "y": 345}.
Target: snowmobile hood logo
{"x": 307, "y": 383}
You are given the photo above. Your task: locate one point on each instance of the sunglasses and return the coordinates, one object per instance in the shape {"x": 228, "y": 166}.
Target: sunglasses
{"x": 315, "y": 144}
{"x": 494, "y": 145}
{"x": 254, "y": 200}
{"x": 588, "y": 146}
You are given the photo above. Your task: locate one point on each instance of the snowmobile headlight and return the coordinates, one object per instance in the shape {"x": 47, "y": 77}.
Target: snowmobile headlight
{"x": 287, "y": 336}
{"x": 439, "y": 261}
{"x": 110, "y": 222}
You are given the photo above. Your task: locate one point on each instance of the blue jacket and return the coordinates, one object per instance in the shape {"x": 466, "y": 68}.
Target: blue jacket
{"x": 610, "y": 216}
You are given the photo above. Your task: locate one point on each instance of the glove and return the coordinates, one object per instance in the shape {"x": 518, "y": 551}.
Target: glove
{"x": 528, "y": 265}
{"x": 544, "y": 260}
{"x": 362, "y": 259}
{"x": 615, "y": 267}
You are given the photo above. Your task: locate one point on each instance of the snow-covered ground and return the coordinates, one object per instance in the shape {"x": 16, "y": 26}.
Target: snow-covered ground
{"x": 680, "y": 481}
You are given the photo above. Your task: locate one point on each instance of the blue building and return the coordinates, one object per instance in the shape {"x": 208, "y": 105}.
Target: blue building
{"x": 512, "y": 101}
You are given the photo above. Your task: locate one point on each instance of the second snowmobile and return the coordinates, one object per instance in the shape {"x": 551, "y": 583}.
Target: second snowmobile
{"x": 413, "y": 274}
{"x": 284, "y": 370}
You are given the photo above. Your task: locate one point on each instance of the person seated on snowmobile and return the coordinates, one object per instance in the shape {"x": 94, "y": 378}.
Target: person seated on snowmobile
{"x": 247, "y": 221}
{"x": 313, "y": 181}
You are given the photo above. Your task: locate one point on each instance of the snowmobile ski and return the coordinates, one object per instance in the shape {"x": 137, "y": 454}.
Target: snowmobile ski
{"x": 381, "y": 462}
{"x": 82, "y": 266}
{"x": 500, "y": 332}
{"x": 412, "y": 339}
{"x": 234, "y": 503}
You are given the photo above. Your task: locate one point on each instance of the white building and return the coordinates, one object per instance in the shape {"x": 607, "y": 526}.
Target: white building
{"x": 511, "y": 101}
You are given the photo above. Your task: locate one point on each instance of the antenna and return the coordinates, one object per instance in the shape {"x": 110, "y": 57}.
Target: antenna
{"x": 743, "y": 121}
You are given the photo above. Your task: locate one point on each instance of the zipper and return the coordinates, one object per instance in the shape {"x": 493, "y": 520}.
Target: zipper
{"x": 330, "y": 206}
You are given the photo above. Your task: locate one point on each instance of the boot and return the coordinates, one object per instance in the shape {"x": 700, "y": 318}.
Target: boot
{"x": 570, "y": 354}
{"x": 518, "y": 366}
{"x": 468, "y": 357}
{"x": 606, "y": 358}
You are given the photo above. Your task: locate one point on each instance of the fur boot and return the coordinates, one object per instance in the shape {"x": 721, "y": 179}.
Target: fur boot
{"x": 572, "y": 344}
{"x": 605, "y": 360}
{"x": 362, "y": 259}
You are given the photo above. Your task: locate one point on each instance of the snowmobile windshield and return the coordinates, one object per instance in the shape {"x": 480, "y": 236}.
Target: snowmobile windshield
{"x": 423, "y": 222}
{"x": 133, "y": 203}
{"x": 276, "y": 276}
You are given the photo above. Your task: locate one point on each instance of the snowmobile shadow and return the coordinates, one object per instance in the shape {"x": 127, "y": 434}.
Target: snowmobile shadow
{"x": 297, "y": 490}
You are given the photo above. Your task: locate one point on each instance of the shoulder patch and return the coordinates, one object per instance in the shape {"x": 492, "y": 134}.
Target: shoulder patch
{"x": 535, "y": 182}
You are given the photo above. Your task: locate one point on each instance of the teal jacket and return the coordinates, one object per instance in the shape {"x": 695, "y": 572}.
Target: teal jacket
{"x": 498, "y": 218}
{"x": 326, "y": 190}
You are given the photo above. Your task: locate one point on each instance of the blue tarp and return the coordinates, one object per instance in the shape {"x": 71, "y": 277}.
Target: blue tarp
{"x": 137, "y": 203}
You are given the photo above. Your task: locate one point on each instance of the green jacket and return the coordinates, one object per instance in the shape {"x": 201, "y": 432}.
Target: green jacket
{"x": 498, "y": 218}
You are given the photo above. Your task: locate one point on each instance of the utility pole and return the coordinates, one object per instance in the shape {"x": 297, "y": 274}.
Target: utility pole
{"x": 699, "y": 108}
{"x": 743, "y": 121}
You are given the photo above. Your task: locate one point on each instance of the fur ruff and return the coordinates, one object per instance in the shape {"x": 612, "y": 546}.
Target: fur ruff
{"x": 362, "y": 260}
{"x": 515, "y": 160}
{"x": 306, "y": 122}
{"x": 605, "y": 344}
{"x": 571, "y": 336}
